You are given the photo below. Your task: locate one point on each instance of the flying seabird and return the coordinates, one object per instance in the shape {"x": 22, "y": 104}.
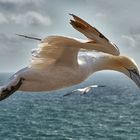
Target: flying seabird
{"x": 84, "y": 90}
{"x": 61, "y": 62}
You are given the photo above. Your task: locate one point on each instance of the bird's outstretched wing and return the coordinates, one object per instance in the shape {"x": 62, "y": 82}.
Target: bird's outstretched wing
{"x": 10, "y": 88}
{"x": 91, "y": 32}
{"x": 55, "y": 50}
{"x": 25, "y": 36}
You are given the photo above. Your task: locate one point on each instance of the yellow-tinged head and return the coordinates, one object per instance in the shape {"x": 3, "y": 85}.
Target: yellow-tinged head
{"x": 124, "y": 65}
{"x": 130, "y": 69}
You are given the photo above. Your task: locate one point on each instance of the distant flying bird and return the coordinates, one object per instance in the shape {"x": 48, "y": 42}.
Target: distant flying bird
{"x": 60, "y": 62}
{"x": 84, "y": 90}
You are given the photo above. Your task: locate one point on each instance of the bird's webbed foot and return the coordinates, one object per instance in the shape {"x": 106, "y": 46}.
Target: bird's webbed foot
{"x": 10, "y": 89}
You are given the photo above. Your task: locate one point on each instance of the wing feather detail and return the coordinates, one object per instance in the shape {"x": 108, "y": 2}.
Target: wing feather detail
{"x": 54, "y": 50}
{"x": 94, "y": 35}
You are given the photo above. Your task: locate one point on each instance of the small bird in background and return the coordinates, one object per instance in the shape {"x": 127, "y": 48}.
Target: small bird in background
{"x": 85, "y": 90}
{"x": 61, "y": 62}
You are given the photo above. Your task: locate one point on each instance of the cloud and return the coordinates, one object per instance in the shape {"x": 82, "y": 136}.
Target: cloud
{"x": 9, "y": 43}
{"x": 30, "y": 18}
{"x": 11, "y": 48}
{"x": 19, "y": 1}
{"x": 11, "y": 1}
{"x": 13, "y": 44}
{"x": 3, "y": 19}
{"x": 128, "y": 41}
{"x": 100, "y": 15}
{"x": 20, "y": 5}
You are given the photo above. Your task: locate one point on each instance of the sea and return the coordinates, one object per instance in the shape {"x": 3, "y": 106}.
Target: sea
{"x": 106, "y": 113}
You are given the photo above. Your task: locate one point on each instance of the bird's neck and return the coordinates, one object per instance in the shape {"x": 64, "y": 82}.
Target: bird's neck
{"x": 105, "y": 62}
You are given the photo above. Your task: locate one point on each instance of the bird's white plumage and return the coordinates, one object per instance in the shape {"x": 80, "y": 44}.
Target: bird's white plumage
{"x": 56, "y": 76}
{"x": 60, "y": 62}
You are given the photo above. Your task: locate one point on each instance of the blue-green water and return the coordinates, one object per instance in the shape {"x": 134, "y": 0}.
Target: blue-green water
{"x": 109, "y": 113}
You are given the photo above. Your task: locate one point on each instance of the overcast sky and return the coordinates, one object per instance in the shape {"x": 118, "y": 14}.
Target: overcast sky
{"x": 119, "y": 20}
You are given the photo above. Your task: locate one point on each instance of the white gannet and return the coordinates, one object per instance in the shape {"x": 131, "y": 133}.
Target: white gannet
{"x": 84, "y": 90}
{"x": 60, "y": 62}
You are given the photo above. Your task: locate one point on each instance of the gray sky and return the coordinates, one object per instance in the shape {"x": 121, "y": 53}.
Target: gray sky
{"x": 119, "y": 20}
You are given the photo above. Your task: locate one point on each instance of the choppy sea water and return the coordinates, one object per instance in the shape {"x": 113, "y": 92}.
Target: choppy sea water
{"x": 109, "y": 113}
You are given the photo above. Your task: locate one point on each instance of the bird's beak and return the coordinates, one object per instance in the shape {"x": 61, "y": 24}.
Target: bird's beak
{"x": 135, "y": 77}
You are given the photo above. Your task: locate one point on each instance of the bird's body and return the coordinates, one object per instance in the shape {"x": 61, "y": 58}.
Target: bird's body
{"x": 57, "y": 76}
{"x": 61, "y": 62}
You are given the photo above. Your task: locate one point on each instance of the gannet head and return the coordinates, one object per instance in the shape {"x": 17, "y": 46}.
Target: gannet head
{"x": 121, "y": 64}
{"x": 129, "y": 67}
